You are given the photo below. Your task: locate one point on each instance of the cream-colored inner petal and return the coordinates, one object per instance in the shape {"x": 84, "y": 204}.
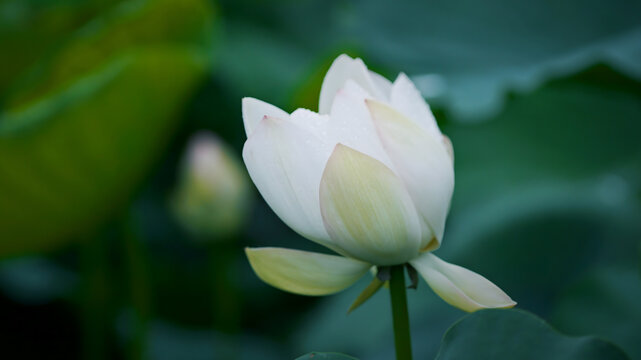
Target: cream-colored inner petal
{"x": 366, "y": 209}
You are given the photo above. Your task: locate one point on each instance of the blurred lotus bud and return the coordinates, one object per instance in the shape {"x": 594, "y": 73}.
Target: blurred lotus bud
{"x": 212, "y": 197}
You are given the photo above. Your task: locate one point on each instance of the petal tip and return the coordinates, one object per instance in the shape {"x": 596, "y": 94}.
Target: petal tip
{"x": 340, "y": 149}
{"x": 508, "y": 305}
{"x": 247, "y": 103}
{"x": 375, "y": 107}
{"x": 343, "y": 57}
{"x": 253, "y": 111}
{"x": 340, "y": 146}
{"x": 461, "y": 287}
{"x": 403, "y": 77}
{"x": 270, "y": 120}
{"x": 249, "y": 251}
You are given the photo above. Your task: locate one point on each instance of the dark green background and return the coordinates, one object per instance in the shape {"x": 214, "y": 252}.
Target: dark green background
{"x": 98, "y": 98}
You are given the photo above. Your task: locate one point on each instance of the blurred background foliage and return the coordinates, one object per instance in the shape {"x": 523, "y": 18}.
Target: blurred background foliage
{"x": 98, "y": 99}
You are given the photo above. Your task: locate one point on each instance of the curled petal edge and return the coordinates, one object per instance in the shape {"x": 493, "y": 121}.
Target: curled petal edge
{"x": 304, "y": 272}
{"x": 460, "y": 287}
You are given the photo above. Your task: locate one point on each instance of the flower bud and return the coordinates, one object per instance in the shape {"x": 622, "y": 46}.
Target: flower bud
{"x": 213, "y": 192}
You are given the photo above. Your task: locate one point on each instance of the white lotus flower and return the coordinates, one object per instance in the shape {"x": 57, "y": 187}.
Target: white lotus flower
{"x": 370, "y": 177}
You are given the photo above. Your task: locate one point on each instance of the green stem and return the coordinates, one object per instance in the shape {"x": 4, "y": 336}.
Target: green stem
{"x": 400, "y": 316}
{"x": 95, "y": 294}
{"x": 226, "y": 299}
{"x": 225, "y": 295}
{"x": 139, "y": 289}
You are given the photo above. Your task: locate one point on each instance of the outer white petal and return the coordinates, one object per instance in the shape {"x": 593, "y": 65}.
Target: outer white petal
{"x": 409, "y": 101}
{"x": 285, "y": 162}
{"x": 366, "y": 209}
{"x": 351, "y": 123}
{"x": 384, "y": 85}
{"x": 421, "y": 160}
{"x": 314, "y": 123}
{"x": 342, "y": 69}
{"x": 255, "y": 110}
{"x": 305, "y": 273}
{"x": 460, "y": 287}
